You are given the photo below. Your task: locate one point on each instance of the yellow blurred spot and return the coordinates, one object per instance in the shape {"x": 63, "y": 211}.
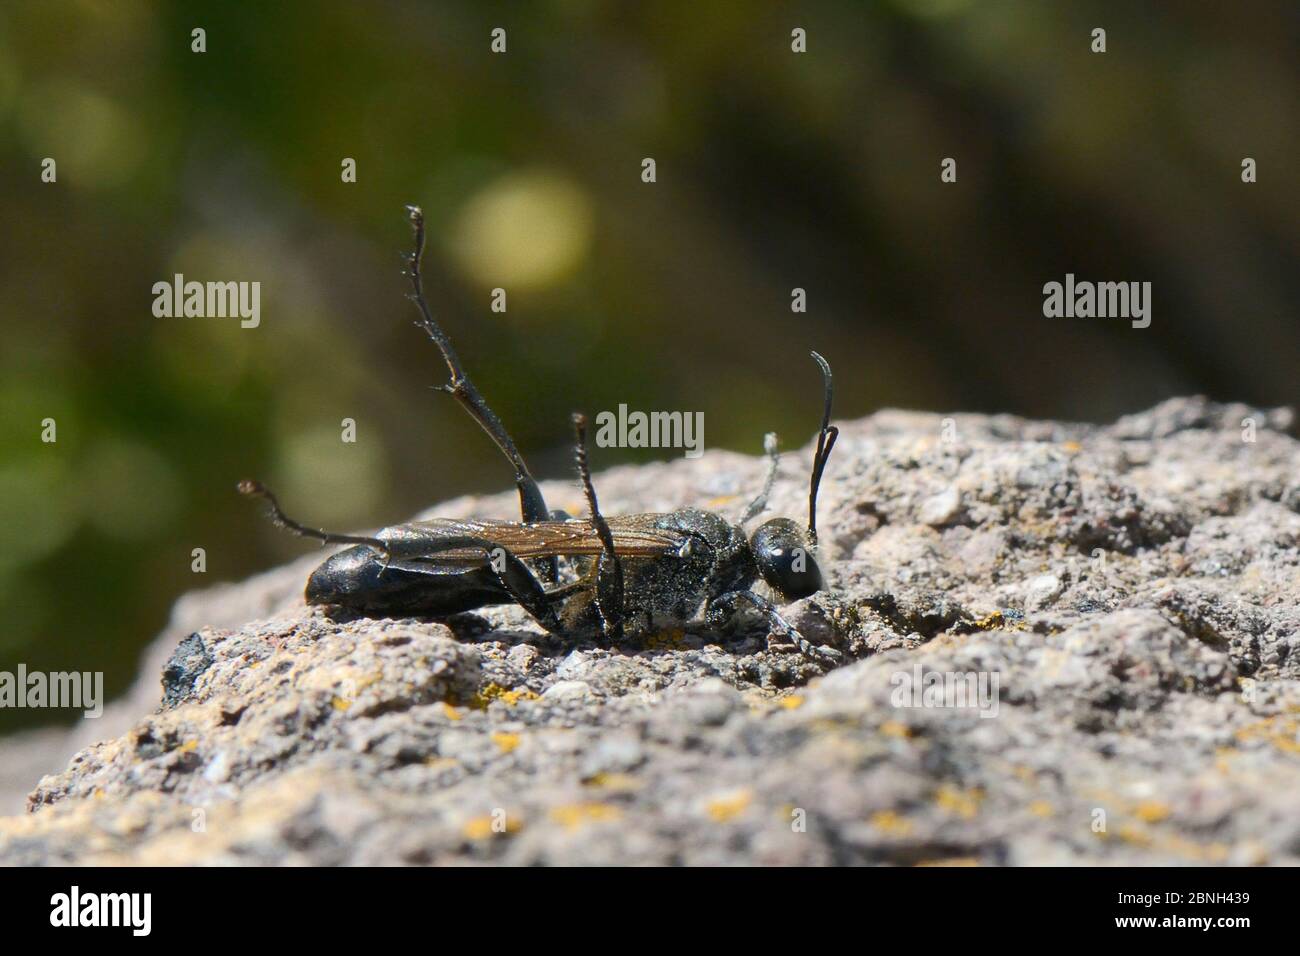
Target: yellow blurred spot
{"x": 1280, "y": 731}
{"x": 618, "y": 782}
{"x": 894, "y": 824}
{"x": 328, "y": 479}
{"x": 793, "y": 702}
{"x": 1072, "y": 447}
{"x": 128, "y": 489}
{"x": 1174, "y": 843}
{"x": 892, "y": 728}
{"x": 523, "y": 230}
{"x": 1041, "y": 808}
{"x": 1150, "y": 811}
{"x": 339, "y": 703}
{"x": 188, "y": 747}
{"x": 952, "y": 861}
{"x": 1223, "y": 759}
{"x": 1131, "y": 833}
{"x": 571, "y": 816}
{"x": 94, "y": 140}
{"x": 38, "y": 511}
{"x": 506, "y": 742}
{"x": 961, "y": 803}
{"x": 719, "y": 501}
{"x": 482, "y": 828}
{"x": 451, "y": 712}
{"x": 730, "y": 806}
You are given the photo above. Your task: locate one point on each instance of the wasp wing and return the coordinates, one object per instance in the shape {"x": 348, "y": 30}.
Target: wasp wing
{"x": 634, "y": 537}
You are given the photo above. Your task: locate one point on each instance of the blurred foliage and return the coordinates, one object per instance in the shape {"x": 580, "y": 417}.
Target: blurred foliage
{"x": 775, "y": 170}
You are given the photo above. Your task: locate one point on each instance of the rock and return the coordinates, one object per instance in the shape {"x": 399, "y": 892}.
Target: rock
{"x": 940, "y": 509}
{"x": 1060, "y": 644}
{"x": 1042, "y": 590}
{"x": 183, "y": 668}
{"x": 569, "y": 690}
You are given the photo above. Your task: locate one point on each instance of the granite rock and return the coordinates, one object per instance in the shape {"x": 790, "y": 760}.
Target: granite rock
{"x": 1060, "y": 644}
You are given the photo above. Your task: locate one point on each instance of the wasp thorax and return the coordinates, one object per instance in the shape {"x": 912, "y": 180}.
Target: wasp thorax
{"x": 785, "y": 559}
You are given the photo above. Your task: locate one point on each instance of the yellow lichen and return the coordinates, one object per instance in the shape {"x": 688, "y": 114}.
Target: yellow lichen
{"x": 620, "y": 782}
{"x": 339, "y": 703}
{"x": 571, "y": 816}
{"x": 958, "y": 802}
{"x": 729, "y": 806}
{"x": 894, "y": 824}
{"x": 1151, "y": 811}
{"x": 1132, "y": 833}
{"x": 486, "y": 827}
{"x": 490, "y": 692}
{"x": 997, "y": 621}
{"x": 506, "y": 742}
{"x": 1280, "y": 731}
{"x": 793, "y": 702}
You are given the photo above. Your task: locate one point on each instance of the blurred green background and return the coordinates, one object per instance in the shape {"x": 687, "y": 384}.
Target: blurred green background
{"x": 775, "y": 170}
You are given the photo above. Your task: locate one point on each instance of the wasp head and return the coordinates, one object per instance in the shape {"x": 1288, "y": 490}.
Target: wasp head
{"x": 785, "y": 559}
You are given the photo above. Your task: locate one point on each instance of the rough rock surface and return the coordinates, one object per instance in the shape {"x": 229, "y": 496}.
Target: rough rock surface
{"x": 1130, "y": 592}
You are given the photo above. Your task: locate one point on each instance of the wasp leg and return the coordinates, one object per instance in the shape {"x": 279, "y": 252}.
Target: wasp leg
{"x": 724, "y": 608}
{"x": 526, "y": 589}
{"x": 609, "y": 569}
{"x": 523, "y": 586}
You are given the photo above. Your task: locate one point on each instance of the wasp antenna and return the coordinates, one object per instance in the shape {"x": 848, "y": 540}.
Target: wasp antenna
{"x": 531, "y": 503}
{"x": 773, "y": 462}
{"x": 829, "y": 382}
{"x": 825, "y": 442}
{"x": 255, "y": 489}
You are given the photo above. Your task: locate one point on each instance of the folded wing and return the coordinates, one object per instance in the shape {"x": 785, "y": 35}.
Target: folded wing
{"x": 634, "y": 537}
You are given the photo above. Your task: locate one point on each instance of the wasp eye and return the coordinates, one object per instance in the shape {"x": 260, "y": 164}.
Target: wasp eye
{"x": 785, "y": 559}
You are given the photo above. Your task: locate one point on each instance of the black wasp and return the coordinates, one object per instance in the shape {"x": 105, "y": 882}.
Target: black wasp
{"x": 634, "y": 574}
